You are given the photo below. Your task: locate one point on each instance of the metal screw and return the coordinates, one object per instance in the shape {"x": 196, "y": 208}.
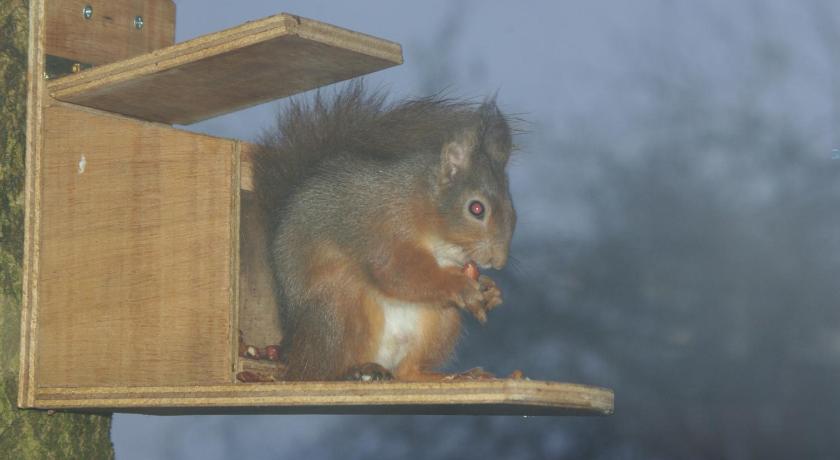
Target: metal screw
{"x": 138, "y": 22}
{"x": 87, "y": 12}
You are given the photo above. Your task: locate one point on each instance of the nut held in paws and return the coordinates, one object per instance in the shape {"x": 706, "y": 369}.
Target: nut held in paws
{"x": 471, "y": 270}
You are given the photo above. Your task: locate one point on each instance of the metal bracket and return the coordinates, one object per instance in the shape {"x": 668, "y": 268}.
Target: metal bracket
{"x": 56, "y": 67}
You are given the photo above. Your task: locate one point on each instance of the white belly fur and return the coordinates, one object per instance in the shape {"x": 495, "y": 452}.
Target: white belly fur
{"x": 400, "y": 332}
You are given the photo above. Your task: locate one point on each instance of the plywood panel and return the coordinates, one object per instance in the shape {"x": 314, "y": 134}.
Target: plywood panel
{"x": 36, "y": 92}
{"x": 218, "y": 73}
{"x": 259, "y": 318}
{"x": 246, "y": 166}
{"x": 135, "y": 282}
{"x": 110, "y": 34}
{"x": 510, "y": 397}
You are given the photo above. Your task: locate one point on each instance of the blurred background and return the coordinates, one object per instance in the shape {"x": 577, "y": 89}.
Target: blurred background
{"x": 679, "y": 235}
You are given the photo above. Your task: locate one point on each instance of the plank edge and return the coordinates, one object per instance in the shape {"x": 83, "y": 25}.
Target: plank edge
{"x": 216, "y": 43}
{"x": 537, "y": 397}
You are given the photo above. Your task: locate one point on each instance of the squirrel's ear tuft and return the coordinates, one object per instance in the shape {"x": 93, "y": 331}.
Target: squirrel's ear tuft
{"x": 496, "y": 135}
{"x": 456, "y": 156}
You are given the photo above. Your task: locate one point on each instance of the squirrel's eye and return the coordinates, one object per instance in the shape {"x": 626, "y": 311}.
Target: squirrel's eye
{"x": 477, "y": 209}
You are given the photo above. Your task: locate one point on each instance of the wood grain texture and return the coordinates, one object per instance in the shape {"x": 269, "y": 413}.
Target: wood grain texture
{"x": 26, "y": 434}
{"x": 225, "y": 71}
{"x": 109, "y": 35}
{"x": 259, "y": 317}
{"x": 36, "y": 95}
{"x": 246, "y": 167}
{"x": 510, "y": 397}
{"x": 273, "y": 370}
{"x": 234, "y": 262}
{"x": 135, "y": 256}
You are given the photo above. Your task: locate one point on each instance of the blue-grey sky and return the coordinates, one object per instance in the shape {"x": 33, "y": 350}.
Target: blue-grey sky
{"x": 553, "y": 58}
{"x": 563, "y": 63}
{"x": 564, "y": 66}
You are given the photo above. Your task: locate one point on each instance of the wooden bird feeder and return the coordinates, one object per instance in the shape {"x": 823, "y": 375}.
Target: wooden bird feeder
{"x": 144, "y": 250}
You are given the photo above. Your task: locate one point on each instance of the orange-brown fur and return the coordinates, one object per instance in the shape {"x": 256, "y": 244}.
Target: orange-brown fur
{"x": 357, "y": 305}
{"x": 439, "y": 331}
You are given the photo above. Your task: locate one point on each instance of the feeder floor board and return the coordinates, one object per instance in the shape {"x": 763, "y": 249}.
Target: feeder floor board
{"x": 487, "y": 397}
{"x": 229, "y": 70}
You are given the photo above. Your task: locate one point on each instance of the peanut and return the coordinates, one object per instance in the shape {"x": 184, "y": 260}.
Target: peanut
{"x": 471, "y": 270}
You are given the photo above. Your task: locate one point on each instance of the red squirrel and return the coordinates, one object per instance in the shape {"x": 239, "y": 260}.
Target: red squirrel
{"x": 375, "y": 210}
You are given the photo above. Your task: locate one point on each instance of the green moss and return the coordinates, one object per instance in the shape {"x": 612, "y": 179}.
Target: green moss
{"x": 26, "y": 434}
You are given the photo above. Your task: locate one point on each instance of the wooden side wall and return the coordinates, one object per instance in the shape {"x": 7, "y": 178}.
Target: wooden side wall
{"x": 136, "y": 284}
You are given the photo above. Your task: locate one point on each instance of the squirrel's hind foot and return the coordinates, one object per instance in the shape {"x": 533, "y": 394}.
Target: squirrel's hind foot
{"x": 368, "y": 372}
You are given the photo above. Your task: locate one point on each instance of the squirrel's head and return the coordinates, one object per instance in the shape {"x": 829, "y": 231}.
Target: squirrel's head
{"x": 473, "y": 195}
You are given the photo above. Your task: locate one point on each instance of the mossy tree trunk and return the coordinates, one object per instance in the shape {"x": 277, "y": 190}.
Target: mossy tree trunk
{"x": 26, "y": 434}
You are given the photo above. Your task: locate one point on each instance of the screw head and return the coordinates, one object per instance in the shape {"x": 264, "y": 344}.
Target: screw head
{"x": 138, "y": 22}
{"x": 87, "y": 12}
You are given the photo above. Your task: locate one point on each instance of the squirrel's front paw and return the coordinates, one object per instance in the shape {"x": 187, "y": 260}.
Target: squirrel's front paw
{"x": 471, "y": 298}
{"x": 479, "y": 297}
{"x": 492, "y": 294}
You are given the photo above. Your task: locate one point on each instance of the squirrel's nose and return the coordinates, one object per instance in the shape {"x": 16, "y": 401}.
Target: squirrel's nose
{"x": 499, "y": 259}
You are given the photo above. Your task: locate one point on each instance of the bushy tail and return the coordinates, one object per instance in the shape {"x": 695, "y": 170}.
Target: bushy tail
{"x": 354, "y": 121}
